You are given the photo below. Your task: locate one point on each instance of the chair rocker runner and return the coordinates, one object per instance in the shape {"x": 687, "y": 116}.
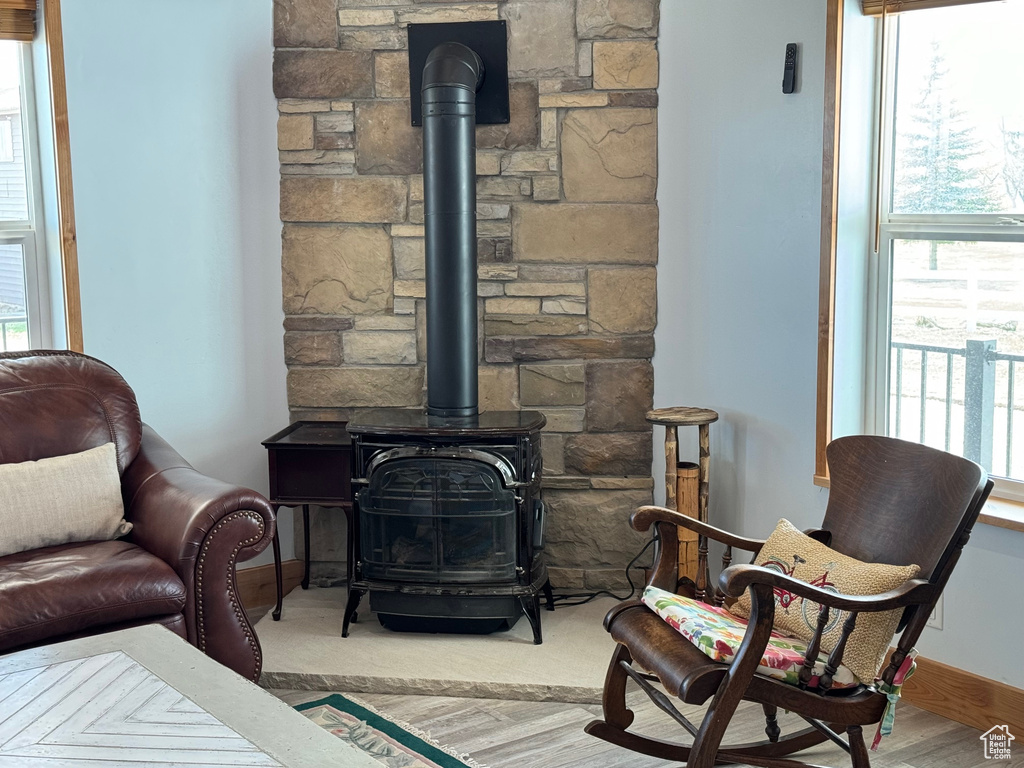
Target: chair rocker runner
{"x": 890, "y": 501}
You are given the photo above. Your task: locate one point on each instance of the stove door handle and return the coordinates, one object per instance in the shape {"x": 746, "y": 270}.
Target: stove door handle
{"x": 499, "y": 463}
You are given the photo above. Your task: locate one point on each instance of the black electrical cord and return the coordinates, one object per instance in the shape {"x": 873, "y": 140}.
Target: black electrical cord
{"x": 582, "y": 598}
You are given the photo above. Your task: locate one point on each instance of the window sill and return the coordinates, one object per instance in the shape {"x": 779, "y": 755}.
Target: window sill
{"x": 1001, "y": 513}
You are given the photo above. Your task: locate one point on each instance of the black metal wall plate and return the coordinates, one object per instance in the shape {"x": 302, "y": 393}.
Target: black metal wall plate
{"x": 489, "y": 40}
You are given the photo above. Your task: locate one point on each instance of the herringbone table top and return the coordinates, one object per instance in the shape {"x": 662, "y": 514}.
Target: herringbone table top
{"x": 143, "y": 697}
{"x": 111, "y": 709}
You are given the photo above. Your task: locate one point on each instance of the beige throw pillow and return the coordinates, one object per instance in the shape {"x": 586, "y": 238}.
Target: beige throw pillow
{"x": 792, "y": 552}
{"x": 61, "y": 500}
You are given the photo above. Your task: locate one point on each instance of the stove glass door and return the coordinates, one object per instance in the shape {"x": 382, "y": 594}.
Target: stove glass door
{"x": 437, "y": 521}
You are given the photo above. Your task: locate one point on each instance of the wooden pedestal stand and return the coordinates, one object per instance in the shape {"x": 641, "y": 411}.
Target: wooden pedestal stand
{"x": 686, "y": 485}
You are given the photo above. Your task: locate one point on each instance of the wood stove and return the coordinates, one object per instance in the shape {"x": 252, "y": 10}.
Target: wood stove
{"x": 449, "y": 520}
{"x": 448, "y": 517}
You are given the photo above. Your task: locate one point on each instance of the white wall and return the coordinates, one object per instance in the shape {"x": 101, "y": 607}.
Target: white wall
{"x": 174, "y": 156}
{"x": 740, "y": 196}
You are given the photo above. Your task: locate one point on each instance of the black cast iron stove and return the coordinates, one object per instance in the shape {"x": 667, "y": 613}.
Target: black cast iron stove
{"x": 448, "y": 522}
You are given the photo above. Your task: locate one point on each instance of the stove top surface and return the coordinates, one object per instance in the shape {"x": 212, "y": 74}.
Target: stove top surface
{"x": 391, "y": 421}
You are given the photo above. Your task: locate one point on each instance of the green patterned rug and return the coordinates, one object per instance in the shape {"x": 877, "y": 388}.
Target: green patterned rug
{"x": 391, "y": 743}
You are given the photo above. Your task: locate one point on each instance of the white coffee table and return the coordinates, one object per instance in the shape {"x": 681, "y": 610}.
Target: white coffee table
{"x": 145, "y": 697}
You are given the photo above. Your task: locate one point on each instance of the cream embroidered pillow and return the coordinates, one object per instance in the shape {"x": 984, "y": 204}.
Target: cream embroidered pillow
{"x": 792, "y": 552}
{"x": 61, "y": 500}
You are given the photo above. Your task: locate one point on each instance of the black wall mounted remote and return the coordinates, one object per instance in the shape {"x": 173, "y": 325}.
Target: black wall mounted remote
{"x": 789, "y": 71}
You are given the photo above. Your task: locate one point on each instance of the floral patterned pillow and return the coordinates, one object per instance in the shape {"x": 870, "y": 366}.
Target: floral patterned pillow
{"x": 718, "y": 634}
{"x": 792, "y": 552}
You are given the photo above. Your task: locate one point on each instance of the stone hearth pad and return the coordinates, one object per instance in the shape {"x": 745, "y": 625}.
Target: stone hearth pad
{"x": 305, "y": 650}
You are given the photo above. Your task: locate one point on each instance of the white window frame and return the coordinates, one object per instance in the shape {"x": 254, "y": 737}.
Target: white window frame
{"x": 29, "y": 234}
{"x": 972, "y": 227}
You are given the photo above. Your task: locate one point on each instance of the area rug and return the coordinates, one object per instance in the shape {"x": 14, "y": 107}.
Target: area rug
{"x": 391, "y": 743}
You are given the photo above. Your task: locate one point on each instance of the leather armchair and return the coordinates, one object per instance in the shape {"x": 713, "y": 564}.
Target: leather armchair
{"x": 176, "y": 567}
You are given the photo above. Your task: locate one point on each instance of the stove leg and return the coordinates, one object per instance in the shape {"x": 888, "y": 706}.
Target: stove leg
{"x": 549, "y": 596}
{"x": 531, "y": 607}
{"x": 354, "y": 596}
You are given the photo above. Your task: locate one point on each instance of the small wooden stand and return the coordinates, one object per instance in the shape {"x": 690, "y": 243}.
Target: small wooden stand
{"x": 310, "y": 463}
{"x": 686, "y": 485}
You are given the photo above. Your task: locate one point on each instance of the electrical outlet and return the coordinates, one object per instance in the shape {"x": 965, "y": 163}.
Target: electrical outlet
{"x": 935, "y": 620}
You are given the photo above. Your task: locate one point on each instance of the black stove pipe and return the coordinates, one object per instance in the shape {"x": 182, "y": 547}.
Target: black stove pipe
{"x": 451, "y": 77}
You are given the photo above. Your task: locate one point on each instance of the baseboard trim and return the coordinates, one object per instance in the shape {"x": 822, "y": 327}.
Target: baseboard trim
{"x": 965, "y": 697}
{"x": 257, "y": 586}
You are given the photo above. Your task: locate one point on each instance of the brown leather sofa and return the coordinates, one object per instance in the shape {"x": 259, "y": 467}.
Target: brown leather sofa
{"x": 176, "y": 567}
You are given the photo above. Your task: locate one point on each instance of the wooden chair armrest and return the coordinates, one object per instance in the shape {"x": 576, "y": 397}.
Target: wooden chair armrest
{"x": 645, "y": 517}
{"x": 737, "y": 578}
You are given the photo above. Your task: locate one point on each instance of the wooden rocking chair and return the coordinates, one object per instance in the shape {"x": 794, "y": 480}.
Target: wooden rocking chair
{"x": 890, "y": 501}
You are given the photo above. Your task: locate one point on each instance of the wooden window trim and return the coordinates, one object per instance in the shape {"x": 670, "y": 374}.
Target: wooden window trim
{"x": 54, "y": 39}
{"x": 829, "y": 229}
{"x": 874, "y": 7}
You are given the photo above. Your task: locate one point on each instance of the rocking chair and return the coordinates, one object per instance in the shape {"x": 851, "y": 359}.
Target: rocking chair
{"x": 890, "y": 501}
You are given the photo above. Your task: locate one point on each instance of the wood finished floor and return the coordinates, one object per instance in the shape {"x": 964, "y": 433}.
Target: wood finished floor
{"x": 522, "y": 734}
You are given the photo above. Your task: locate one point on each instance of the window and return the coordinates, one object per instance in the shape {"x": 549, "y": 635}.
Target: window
{"x": 24, "y": 308}
{"x": 945, "y": 360}
{"x": 40, "y": 303}
{"x": 922, "y": 306}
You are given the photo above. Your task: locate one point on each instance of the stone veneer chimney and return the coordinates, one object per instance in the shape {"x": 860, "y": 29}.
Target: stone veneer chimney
{"x": 568, "y": 243}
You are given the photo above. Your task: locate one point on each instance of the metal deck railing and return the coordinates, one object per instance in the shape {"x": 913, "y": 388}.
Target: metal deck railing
{"x": 969, "y": 390}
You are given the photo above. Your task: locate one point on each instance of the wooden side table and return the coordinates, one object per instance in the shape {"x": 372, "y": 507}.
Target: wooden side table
{"x": 672, "y": 419}
{"x": 310, "y": 463}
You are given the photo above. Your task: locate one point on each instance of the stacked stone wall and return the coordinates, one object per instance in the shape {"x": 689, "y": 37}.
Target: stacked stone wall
{"x": 568, "y": 243}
